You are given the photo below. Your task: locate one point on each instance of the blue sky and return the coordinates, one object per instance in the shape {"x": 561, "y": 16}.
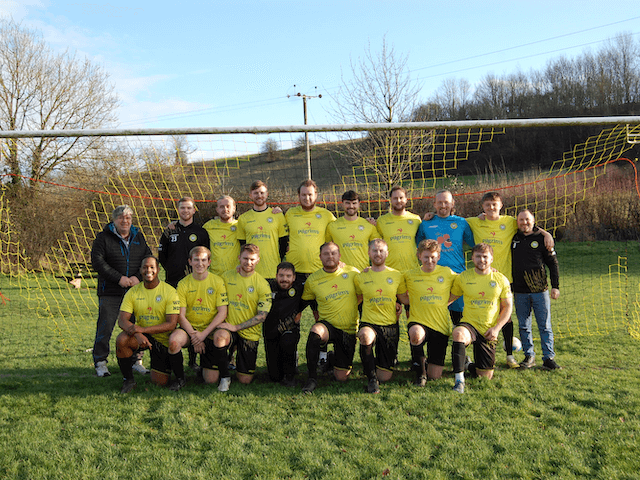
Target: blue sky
{"x": 233, "y": 63}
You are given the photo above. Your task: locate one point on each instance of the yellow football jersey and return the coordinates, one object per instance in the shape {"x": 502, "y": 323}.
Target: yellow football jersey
{"x": 399, "y": 231}
{"x": 498, "y": 234}
{"x": 151, "y": 305}
{"x": 353, "y": 238}
{"x": 264, "y": 229}
{"x": 482, "y": 297}
{"x": 225, "y": 248}
{"x": 307, "y": 231}
{"x": 201, "y": 299}
{"x": 247, "y": 296}
{"x": 336, "y": 296}
{"x": 429, "y": 297}
{"x": 378, "y": 290}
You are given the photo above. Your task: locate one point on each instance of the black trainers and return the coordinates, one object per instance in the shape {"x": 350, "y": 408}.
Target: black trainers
{"x": 550, "y": 364}
{"x": 528, "y": 362}
{"x": 373, "y": 386}
{"x": 310, "y": 386}
{"x": 177, "y": 384}
{"x": 421, "y": 381}
{"x": 128, "y": 385}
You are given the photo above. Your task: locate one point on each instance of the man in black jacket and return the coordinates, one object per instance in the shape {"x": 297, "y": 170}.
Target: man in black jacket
{"x": 530, "y": 289}
{"x": 116, "y": 255}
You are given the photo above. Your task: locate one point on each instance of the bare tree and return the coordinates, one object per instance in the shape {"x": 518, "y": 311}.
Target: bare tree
{"x": 381, "y": 90}
{"x": 41, "y": 90}
{"x": 271, "y": 148}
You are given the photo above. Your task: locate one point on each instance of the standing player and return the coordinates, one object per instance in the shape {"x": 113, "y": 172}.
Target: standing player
{"x": 530, "y": 289}
{"x": 378, "y": 288}
{"x": 428, "y": 293}
{"x": 450, "y": 231}
{"x": 203, "y": 306}
{"x": 333, "y": 288}
{"x": 223, "y": 236}
{"x": 155, "y": 306}
{"x": 487, "y": 307}
{"x": 264, "y": 228}
{"x": 498, "y": 230}
{"x": 398, "y": 228}
{"x": 175, "y": 245}
{"x": 352, "y": 233}
{"x": 249, "y": 303}
{"x": 281, "y": 329}
{"x": 307, "y": 229}
{"x": 116, "y": 255}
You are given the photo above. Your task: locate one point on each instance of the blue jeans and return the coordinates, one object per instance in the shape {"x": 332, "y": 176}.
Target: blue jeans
{"x": 541, "y": 306}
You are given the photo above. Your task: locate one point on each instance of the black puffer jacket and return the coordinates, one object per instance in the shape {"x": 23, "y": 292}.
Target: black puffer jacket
{"x": 111, "y": 258}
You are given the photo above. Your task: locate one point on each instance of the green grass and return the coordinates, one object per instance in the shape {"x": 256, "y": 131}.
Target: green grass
{"x": 57, "y": 420}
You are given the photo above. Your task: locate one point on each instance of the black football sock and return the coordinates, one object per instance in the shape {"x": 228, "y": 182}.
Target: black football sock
{"x": 221, "y": 358}
{"x": 126, "y": 367}
{"x": 368, "y": 361}
{"x": 313, "y": 354}
{"x": 458, "y": 357}
{"x": 507, "y": 333}
{"x": 418, "y": 359}
{"x": 176, "y": 362}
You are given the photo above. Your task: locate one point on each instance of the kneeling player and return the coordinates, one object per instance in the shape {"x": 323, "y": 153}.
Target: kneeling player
{"x": 249, "y": 303}
{"x": 332, "y": 287}
{"x": 428, "y": 293}
{"x": 203, "y": 306}
{"x": 487, "y": 307}
{"x": 156, "y": 307}
{"x": 281, "y": 329}
{"x": 378, "y": 288}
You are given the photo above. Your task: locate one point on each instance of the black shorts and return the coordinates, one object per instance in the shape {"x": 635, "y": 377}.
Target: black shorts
{"x": 484, "y": 353}
{"x": 437, "y": 343}
{"x": 344, "y": 346}
{"x": 456, "y": 316}
{"x": 159, "y": 356}
{"x": 247, "y": 353}
{"x": 386, "y": 345}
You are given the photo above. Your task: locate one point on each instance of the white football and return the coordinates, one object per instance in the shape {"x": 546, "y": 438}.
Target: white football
{"x": 517, "y": 345}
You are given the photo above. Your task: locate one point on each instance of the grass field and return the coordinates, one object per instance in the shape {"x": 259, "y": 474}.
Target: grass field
{"x": 57, "y": 420}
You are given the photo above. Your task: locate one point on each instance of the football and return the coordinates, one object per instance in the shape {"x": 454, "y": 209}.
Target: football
{"x": 517, "y": 345}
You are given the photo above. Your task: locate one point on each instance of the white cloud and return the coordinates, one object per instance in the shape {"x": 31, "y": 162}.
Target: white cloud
{"x": 18, "y": 10}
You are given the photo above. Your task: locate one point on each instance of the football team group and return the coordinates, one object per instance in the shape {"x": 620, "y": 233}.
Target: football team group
{"x": 232, "y": 282}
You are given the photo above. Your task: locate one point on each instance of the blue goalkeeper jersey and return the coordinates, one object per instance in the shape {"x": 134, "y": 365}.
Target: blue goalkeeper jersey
{"x": 450, "y": 233}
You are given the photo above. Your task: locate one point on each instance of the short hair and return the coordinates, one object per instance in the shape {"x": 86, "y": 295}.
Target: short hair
{"x": 187, "y": 199}
{"x": 482, "y": 247}
{"x": 428, "y": 244}
{"x": 526, "y": 210}
{"x": 286, "y": 266}
{"x": 376, "y": 241}
{"x": 491, "y": 196}
{"x": 251, "y": 248}
{"x": 350, "y": 195}
{"x": 150, "y": 256}
{"x": 198, "y": 250}
{"x": 225, "y": 197}
{"x": 308, "y": 183}
{"x": 326, "y": 244}
{"x": 395, "y": 189}
{"x": 257, "y": 184}
{"x": 121, "y": 210}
